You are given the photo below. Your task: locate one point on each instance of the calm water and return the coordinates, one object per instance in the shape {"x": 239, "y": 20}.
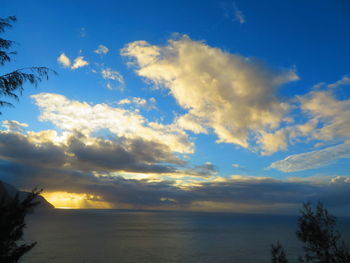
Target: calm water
{"x": 66, "y": 236}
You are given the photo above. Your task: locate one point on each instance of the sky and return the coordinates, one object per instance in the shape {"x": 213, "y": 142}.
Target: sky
{"x": 239, "y": 106}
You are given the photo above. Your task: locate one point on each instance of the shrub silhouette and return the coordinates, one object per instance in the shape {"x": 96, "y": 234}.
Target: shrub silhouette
{"x": 322, "y": 242}
{"x": 11, "y": 83}
{"x": 12, "y": 224}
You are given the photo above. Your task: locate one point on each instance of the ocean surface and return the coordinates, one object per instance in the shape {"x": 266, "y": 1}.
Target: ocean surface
{"x": 93, "y": 236}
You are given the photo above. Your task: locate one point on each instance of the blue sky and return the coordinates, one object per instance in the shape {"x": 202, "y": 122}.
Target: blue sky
{"x": 177, "y": 99}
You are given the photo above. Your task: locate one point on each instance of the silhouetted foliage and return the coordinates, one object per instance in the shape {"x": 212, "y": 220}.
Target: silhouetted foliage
{"x": 322, "y": 242}
{"x": 11, "y": 84}
{"x": 277, "y": 254}
{"x": 12, "y": 224}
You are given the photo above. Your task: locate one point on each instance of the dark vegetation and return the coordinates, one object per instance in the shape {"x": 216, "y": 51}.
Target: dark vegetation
{"x": 13, "y": 210}
{"x": 12, "y": 223}
{"x": 11, "y": 83}
{"x": 322, "y": 243}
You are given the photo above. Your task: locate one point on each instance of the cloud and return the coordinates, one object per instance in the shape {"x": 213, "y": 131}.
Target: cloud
{"x": 235, "y": 96}
{"x": 191, "y": 123}
{"x": 231, "y": 11}
{"x": 239, "y": 16}
{"x": 340, "y": 179}
{"x": 342, "y": 82}
{"x": 139, "y": 102}
{"x": 323, "y": 119}
{"x": 70, "y": 115}
{"x": 101, "y": 50}
{"x": 79, "y": 152}
{"x": 94, "y": 166}
{"x": 14, "y": 126}
{"x": 78, "y": 62}
{"x": 327, "y": 122}
{"x": 64, "y": 60}
{"x": 19, "y": 148}
{"x": 113, "y": 75}
{"x": 204, "y": 170}
{"x": 121, "y": 154}
{"x": 236, "y": 193}
{"x": 312, "y": 160}
{"x": 239, "y": 166}
{"x": 272, "y": 142}
{"x": 330, "y": 116}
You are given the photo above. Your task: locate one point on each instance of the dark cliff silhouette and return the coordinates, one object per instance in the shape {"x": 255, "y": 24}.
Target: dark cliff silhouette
{"x": 8, "y": 192}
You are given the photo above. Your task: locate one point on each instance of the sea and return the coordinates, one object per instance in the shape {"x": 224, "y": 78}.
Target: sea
{"x": 120, "y": 236}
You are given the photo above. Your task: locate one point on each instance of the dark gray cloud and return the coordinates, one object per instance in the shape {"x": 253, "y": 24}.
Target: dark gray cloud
{"x": 90, "y": 154}
{"x": 132, "y": 155}
{"x": 204, "y": 170}
{"x": 16, "y": 147}
{"x": 143, "y": 194}
{"x": 89, "y": 165}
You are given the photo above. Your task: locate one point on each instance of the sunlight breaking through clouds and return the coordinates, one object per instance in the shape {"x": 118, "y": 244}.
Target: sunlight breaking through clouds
{"x": 65, "y": 200}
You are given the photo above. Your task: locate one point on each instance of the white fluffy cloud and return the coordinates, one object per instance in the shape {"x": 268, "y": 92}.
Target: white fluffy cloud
{"x": 330, "y": 116}
{"x": 273, "y": 142}
{"x": 231, "y": 94}
{"x": 77, "y": 63}
{"x": 328, "y": 121}
{"x": 101, "y": 50}
{"x": 70, "y": 115}
{"x": 64, "y": 60}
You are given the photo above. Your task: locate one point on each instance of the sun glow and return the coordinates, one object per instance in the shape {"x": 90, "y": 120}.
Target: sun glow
{"x": 65, "y": 200}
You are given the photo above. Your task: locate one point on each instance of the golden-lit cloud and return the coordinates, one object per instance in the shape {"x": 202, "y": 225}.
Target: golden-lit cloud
{"x": 70, "y": 115}
{"x": 78, "y": 62}
{"x": 327, "y": 122}
{"x": 272, "y": 142}
{"x": 235, "y": 96}
{"x": 75, "y": 151}
{"x": 64, "y": 60}
{"x": 14, "y": 126}
{"x": 329, "y": 115}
